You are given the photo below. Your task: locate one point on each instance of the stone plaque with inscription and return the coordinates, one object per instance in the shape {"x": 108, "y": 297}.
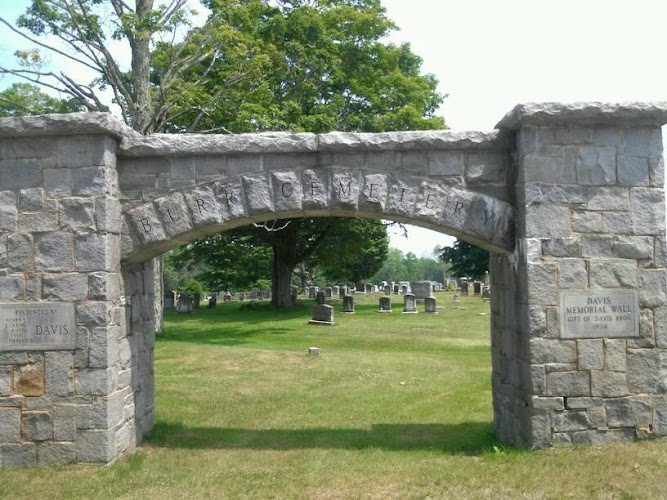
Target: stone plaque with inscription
{"x": 37, "y": 326}
{"x": 599, "y": 313}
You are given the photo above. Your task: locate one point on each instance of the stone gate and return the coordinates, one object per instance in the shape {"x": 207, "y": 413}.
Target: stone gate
{"x": 569, "y": 198}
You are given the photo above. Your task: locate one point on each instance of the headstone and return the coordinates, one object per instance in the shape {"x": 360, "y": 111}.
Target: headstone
{"x": 385, "y": 305}
{"x": 328, "y": 292}
{"x": 184, "y": 304}
{"x": 334, "y": 291}
{"x": 387, "y": 290}
{"x": 294, "y": 294}
{"x": 319, "y": 298}
{"x": 196, "y": 300}
{"x": 409, "y": 304}
{"x": 369, "y": 288}
{"x": 342, "y": 291}
{"x": 323, "y": 314}
{"x": 477, "y": 287}
{"x": 404, "y": 289}
{"x": 429, "y": 305}
{"x": 396, "y": 289}
{"x": 212, "y": 302}
{"x": 253, "y": 293}
{"x": 242, "y": 296}
{"x": 348, "y": 304}
{"x": 314, "y": 351}
{"x": 487, "y": 281}
{"x": 312, "y": 292}
{"x": 465, "y": 288}
{"x": 360, "y": 288}
{"x": 457, "y": 301}
{"x": 169, "y": 300}
{"x": 486, "y": 293}
{"x": 422, "y": 289}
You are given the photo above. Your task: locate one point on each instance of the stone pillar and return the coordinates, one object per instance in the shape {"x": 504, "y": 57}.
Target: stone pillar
{"x": 71, "y": 399}
{"x": 579, "y": 318}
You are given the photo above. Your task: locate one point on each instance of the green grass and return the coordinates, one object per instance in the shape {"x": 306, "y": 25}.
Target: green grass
{"x": 395, "y": 406}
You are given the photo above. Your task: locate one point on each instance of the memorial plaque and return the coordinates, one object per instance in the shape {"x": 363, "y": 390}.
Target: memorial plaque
{"x": 40, "y": 326}
{"x": 599, "y": 313}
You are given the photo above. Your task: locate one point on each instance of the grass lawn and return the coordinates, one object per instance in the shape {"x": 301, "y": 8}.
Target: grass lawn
{"x": 395, "y": 406}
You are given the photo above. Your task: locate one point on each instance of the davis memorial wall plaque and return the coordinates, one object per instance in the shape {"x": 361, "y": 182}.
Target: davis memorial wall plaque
{"x": 599, "y": 313}
{"x": 45, "y": 326}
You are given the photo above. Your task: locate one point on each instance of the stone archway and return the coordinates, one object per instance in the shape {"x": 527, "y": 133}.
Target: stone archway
{"x": 569, "y": 198}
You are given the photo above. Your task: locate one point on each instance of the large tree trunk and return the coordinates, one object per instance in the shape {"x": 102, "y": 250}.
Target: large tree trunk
{"x": 284, "y": 243}
{"x": 141, "y": 72}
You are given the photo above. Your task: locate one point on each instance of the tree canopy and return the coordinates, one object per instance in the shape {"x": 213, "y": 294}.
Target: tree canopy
{"x": 466, "y": 259}
{"x": 25, "y": 99}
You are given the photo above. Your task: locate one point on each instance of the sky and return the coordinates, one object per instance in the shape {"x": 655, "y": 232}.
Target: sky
{"x": 490, "y": 55}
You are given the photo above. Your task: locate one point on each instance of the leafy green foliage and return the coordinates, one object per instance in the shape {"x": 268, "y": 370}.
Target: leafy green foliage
{"x": 25, "y": 99}
{"x": 408, "y": 267}
{"x": 466, "y": 259}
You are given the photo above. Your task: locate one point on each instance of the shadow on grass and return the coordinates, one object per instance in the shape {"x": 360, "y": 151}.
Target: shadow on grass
{"x": 471, "y": 438}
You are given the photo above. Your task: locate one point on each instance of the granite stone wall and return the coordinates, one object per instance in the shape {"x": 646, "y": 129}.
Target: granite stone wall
{"x": 569, "y": 198}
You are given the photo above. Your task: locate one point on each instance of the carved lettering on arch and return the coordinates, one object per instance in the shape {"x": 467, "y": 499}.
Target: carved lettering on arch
{"x": 173, "y": 212}
{"x": 344, "y": 189}
{"x": 430, "y": 201}
{"x": 204, "y": 206}
{"x": 146, "y": 224}
{"x": 230, "y": 198}
{"x": 374, "y": 193}
{"x": 286, "y": 191}
{"x": 315, "y": 189}
{"x": 402, "y": 196}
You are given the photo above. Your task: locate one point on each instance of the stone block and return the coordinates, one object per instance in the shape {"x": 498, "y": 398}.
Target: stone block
{"x": 31, "y": 200}
{"x": 37, "y": 426}
{"x": 36, "y": 222}
{"x": 182, "y": 168}
{"x": 547, "y": 221}
{"x": 86, "y": 150}
{"x": 616, "y": 223}
{"x": 104, "y": 286}
{"x": 345, "y": 189}
{"x": 77, "y": 214}
{"x": 204, "y": 207}
{"x": 552, "y": 351}
{"x": 20, "y": 252}
{"x": 33, "y": 290}
{"x": 607, "y": 384}
{"x": 568, "y": 384}
{"x": 608, "y": 198}
{"x": 482, "y": 167}
{"x": 652, "y": 286}
{"x": 95, "y": 381}
{"x": 590, "y": 353}
{"x": 660, "y": 317}
{"x": 566, "y": 194}
{"x": 29, "y": 380}
{"x": 8, "y": 211}
{"x": 603, "y": 437}
{"x": 648, "y": 215}
{"x": 103, "y": 346}
{"x": 258, "y": 194}
{"x": 12, "y": 288}
{"x": 573, "y": 274}
{"x": 57, "y": 182}
{"x": 64, "y": 422}
{"x": 615, "y": 355}
{"x": 549, "y": 404}
{"x": 656, "y": 171}
{"x": 445, "y": 163}
{"x": 10, "y": 425}
{"x": 54, "y": 251}
{"x": 59, "y": 373}
{"x": 108, "y": 412}
{"x": 583, "y": 403}
{"x": 562, "y": 247}
{"x": 373, "y": 195}
{"x": 93, "y": 313}
{"x": 5, "y": 380}
{"x": 542, "y": 284}
{"x": 51, "y": 454}
{"x": 568, "y": 421}
{"x": 646, "y": 337}
{"x": 597, "y": 416}
{"x": 643, "y": 373}
{"x": 108, "y": 215}
{"x": 596, "y": 246}
{"x": 628, "y": 412}
{"x": 633, "y": 171}
{"x": 93, "y": 181}
{"x": 596, "y": 165}
{"x": 642, "y": 141}
{"x": 18, "y": 455}
{"x": 97, "y": 252}
{"x": 67, "y": 286}
{"x": 174, "y": 214}
{"x": 633, "y": 247}
{"x": 95, "y": 446}
{"x": 613, "y": 273}
{"x": 586, "y": 221}
{"x": 21, "y": 173}
{"x": 551, "y": 168}
{"x": 146, "y": 223}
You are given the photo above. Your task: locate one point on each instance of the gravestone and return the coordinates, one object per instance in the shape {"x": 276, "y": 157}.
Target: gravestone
{"x": 242, "y": 296}
{"x": 323, "y": 314}
{"x": 385, "y": 305}
{"x": 477, "y": 287}
{"x": 254, "y": 292}
{"x": 184, "y": 304}
{"x": 404, "y": 289}
{"x": 429, "y": 305}
{"x": 342, "y": 291}
{"x": 387, "y": 290}
{"x": 314, "y": 351}
{"x": 348, "y": 304}
{"x": 409, "y": 304}
{"x": 422, "y": 289}
{"x": 486, "y": 293}
{"x": 213, "y": 300}
{"x": 465, "y": 288}
{"x": 328, "y": 292}
{"x": 457, "y": 301}
{"x": 369, "y": 288}
{"x": 360, "y": 288}
{"x": 312, "y": 292}
{"x": 396, "y": 289}
{"x": 169, "y": 300}
{"x": 487, "y": 281}
{"x": 335, "y": 290}
{"x": 320, "y": 298}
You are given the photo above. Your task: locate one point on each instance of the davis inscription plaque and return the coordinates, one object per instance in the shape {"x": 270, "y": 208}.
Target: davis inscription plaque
{"x": 599, "y": 313}
{"x": 37, "y": 327}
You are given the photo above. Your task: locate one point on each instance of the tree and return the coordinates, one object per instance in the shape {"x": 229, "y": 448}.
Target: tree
{"x": 25, "y": 99}
{"x": 465, "y": 259}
